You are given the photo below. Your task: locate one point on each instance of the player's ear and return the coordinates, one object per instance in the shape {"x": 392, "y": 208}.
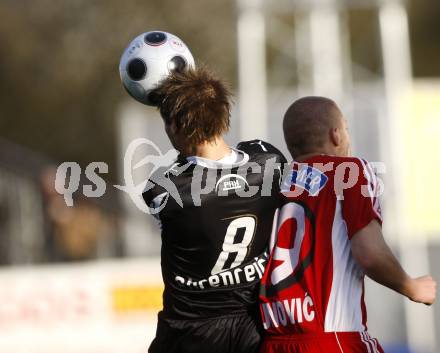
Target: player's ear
{"x": 335, "y": 136}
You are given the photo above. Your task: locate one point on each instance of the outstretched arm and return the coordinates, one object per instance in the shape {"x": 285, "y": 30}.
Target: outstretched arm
{"x": 379, "y": 263}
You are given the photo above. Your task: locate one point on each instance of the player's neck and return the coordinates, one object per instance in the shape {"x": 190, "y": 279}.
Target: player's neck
{"x": 214, "y": 150}
{"x": 318, "y": 152}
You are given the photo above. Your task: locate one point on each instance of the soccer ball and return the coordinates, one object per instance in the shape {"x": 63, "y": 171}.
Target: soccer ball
{"x": 148, "y": 59}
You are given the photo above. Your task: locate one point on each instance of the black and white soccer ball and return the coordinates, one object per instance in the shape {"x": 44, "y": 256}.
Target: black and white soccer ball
{"x": 150, "y": 58}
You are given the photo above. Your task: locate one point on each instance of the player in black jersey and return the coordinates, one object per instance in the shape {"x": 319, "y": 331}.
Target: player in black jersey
{"x": 216, "y": 206}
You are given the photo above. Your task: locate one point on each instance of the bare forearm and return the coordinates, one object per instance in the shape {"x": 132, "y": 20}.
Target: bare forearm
{"x": 385, "y": 269}
{"x": 375, "y": 257}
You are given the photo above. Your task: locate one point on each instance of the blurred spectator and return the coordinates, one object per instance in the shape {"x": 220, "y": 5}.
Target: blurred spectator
{"x": 72, "y": 233}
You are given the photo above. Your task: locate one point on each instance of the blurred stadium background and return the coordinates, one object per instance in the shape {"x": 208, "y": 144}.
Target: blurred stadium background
{"x": 87, "y": 278}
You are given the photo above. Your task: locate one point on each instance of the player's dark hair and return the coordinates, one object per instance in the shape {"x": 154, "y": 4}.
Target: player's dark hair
{"x": 307, "y": 122}
{"x": 198, "y": 102}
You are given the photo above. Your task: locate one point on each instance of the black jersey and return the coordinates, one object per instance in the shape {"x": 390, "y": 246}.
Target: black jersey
{"x": 216, "y": 222}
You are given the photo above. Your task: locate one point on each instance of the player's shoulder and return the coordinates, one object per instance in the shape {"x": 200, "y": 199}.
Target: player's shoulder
{"x": 158, "y": 180}
{"x": 152, "y": 188}
{"x": 260, "y": 147}
{"x": 359, "y": 169}
{"x": 345, "y": 162}
{"x": 343, "y": 167}
{"x": 354, "y": 162}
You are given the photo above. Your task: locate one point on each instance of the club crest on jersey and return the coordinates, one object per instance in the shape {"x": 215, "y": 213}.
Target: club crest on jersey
{"x": 309, "y": 179}
{"x": 231, "y": 182}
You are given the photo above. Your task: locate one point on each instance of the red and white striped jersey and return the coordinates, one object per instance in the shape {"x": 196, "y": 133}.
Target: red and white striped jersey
{"x": 312, "y": 282}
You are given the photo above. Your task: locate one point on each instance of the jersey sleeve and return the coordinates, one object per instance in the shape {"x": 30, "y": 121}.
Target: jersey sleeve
{"x": 361, "y": 203}
{"x": 154, "y": 193}
{"x": 149, "y": 195}
{"x": 270, "y": 154}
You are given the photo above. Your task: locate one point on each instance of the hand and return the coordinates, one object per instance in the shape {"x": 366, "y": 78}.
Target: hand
{"x": 422, "y": 290}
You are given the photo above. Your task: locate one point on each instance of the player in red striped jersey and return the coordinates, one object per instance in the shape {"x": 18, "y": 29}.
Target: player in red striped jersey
{"x": 326, "y": 238}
